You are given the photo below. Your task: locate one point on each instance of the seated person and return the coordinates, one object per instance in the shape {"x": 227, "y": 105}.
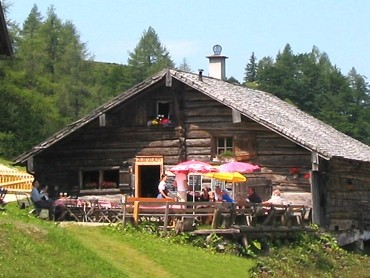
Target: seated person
{"x": 193, "y": 196}
{"x": 275, "y": 199}
{"x": 204, "y": 196}
{"x": 211, "y": 195}
{"x": 226, "y": 197}
{"x": 252, "y": 196}
{"x": 39, "y": 203}
{"x": 218, "y": 194}
{"x": 44, "y": 193}
{"x": 222, "y": 195}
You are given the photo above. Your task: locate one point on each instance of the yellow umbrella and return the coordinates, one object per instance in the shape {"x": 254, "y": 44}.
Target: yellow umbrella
{"x": 226, "y": 176}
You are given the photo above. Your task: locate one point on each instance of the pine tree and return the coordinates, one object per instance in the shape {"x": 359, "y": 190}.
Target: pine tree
{"x": 251, "y": 69}
{"x": 148, "y": 57}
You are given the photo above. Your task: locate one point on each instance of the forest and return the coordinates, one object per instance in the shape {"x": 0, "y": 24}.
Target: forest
{"x": 52, "y": 80}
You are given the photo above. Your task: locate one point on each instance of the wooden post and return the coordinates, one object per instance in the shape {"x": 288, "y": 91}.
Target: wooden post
{"x": 165, "y": 221}
{"x": 245, "y": 242}
{"x": 136, "y": 212}
{"x": 124, "y": 200}
{"x": 216, "y": 218}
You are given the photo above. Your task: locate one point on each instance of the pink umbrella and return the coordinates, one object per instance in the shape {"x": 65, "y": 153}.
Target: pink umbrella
{"x": 193, "y": 166}
{"x": 241, "y": 167}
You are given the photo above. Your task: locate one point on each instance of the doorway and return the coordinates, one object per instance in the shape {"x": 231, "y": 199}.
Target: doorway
{"x": 149, "y": 177}
{"x": 148, "y": 170}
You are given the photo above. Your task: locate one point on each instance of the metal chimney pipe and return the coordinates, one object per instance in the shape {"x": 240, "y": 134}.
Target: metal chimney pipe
{"x": 200, "y": 75}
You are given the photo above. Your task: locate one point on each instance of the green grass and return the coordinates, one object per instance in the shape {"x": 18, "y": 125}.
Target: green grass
{"x": 30, "y": 247}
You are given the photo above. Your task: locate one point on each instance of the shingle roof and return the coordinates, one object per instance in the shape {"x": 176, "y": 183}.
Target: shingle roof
{"x": 264, "y": 108}
{"x": 281, "y": 117}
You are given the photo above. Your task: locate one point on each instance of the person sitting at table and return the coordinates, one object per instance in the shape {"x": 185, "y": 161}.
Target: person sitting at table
{"x": 275, "y": 199}
{"x": 222, "y": 195}
{"x": 226, "y": 196}
{"x": 39, "y": 203}
{"x": 44, "y": 193}
{"x": 218, "y": 194}
{"x": 204, "y": 196}
{"x": 253, "y": 196}
{"x": 211, "y": 195}
{"x": 162, "y": 188}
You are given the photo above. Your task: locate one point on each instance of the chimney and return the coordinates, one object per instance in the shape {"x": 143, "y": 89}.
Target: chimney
{"x": 200, "y": 75}
{"x": 217, "y": 63}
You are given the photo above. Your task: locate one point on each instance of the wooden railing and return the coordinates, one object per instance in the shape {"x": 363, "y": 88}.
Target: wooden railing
{"x": 15, "y": 180}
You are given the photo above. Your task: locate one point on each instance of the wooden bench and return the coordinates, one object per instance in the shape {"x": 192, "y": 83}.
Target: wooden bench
{"x": 284, "y": 215}
{"x": 165, "y": 209}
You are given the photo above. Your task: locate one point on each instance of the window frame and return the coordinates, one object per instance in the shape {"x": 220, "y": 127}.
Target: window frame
{"x": 99, "y": 177}
{"x": 228, "y": 144}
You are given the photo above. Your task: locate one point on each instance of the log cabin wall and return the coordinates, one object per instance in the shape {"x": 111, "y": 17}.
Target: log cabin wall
{"x": 285, "y": 164}
{"x": 197, "y": 122}
{"x": 348, "y": 195}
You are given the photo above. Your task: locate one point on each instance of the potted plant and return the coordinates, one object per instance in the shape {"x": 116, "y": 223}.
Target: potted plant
{"x": 226, "y": 156}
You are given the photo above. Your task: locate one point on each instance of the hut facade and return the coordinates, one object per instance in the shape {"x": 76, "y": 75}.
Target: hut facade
{"x": 124, "y": 146}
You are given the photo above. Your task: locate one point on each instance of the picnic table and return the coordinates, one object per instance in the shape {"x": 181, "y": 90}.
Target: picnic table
{"x": 87, "y": 209}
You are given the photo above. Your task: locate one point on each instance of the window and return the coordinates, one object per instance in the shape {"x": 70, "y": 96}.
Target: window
{"x": 225, "y": 145}
{"x": 195, "y": 182}
{"x": 163, "y": 108}
{"x": 100, "y": 179}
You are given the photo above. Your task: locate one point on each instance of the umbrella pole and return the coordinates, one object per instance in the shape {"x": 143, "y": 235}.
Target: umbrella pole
{"x": 233, "y": 191}
{"x": 193, "y": 200}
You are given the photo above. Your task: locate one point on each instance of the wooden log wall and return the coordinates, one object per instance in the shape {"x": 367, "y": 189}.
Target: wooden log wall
{"x": 197, "y": 119}
{"x": 348, "y": 189}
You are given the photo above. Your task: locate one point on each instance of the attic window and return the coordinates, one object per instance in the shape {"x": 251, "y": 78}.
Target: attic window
{"x": 163, "y": 108}
{"x": 163, "y": 115}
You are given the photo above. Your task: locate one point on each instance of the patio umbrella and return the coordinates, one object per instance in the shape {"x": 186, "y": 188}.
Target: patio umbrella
{"x": 193, "y": 166}
{"x": 241, "y": 167}
{"x": 226, "y": 176}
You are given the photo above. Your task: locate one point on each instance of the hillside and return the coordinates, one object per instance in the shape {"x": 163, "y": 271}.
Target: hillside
{"x": 32, "y": 247}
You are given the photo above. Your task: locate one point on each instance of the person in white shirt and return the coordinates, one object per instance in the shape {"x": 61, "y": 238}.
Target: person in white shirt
{"x": 275, "y": 198}
{"x": 162, "y": 188}
{"x": 181, "y": 182}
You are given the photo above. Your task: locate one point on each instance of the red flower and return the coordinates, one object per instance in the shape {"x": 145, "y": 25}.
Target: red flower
{"x": 294, "y": 170}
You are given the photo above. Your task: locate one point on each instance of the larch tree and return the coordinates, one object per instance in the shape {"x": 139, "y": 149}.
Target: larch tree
{"x": 184, "y": 66}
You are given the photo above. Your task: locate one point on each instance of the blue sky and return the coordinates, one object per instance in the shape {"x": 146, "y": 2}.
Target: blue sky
{"x": 190, "y": 28}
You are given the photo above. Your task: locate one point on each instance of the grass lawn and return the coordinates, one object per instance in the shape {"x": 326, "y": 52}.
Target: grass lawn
{"x": 30, "y": 247}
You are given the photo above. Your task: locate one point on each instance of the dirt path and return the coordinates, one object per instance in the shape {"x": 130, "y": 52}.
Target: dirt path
{"x": 123, "y": 257}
